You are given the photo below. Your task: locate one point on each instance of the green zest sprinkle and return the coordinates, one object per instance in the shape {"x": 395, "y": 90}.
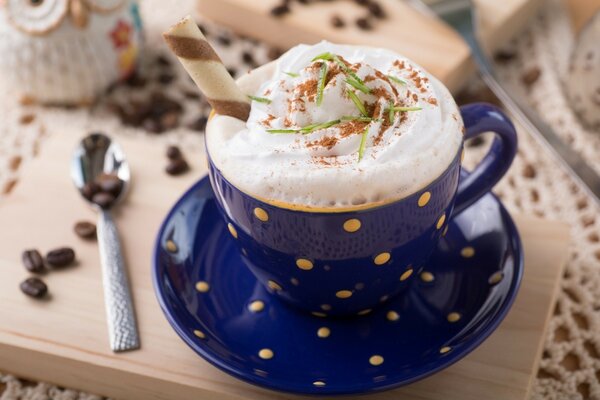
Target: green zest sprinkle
{"x": 283, "y": 130}
{"x": 332, "y": 57}
{"x": 359, "y": 119}
{"x": 292, "y": 74}
{"x": 397, "y": 80}
{"x": 391, "y": 114}
{"x": 321, "y": 86}
{"x": 324, "y": 125}
{"x": 358, "y": 103}
{"x": 357, "y": 85}
{"x": 260, "y": 99}
{"x": 363, "y": 142}
{"x": 402, "y": 109}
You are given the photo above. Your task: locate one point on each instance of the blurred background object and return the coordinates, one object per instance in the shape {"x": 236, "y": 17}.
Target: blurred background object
{"x": 67, "y": 51}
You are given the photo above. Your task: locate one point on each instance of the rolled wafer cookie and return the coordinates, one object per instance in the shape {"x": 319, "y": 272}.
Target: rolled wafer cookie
{"x": 206, "y": 69}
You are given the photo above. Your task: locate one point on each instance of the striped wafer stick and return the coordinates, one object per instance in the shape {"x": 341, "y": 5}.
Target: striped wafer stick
{"x": 206, "y": 69}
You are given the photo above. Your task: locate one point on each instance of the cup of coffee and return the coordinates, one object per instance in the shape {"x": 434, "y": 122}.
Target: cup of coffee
{"x": 344, "y": 178}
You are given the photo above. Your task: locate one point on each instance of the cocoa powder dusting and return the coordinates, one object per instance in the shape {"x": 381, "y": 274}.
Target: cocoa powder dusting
{"x": 432, "y": 100}
{"x": 267, "y": 121}
{"x": 351, "y": 128}
{"x": 308, "y": 89}
{"x": 326, "y": 141}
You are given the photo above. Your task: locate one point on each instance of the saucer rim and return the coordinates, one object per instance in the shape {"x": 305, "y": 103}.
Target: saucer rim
{"x": 257, "y": 381}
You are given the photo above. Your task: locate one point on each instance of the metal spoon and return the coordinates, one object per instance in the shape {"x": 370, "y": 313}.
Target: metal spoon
{"x": 97, "y": 154}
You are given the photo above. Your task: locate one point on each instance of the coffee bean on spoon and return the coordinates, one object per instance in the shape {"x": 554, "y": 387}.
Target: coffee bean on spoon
{"x": 177, "y": 167}
{"x": 34, "y": 287}
{"x": 85, "y": 230}
{"x": 90, "y": 189}
{"x": 33, "y": 261}
{"x": 109, "y": 183}
{"x": 103, "y": 199}
{"x": 60, "y": 257}
{"x": 174, "y": 152}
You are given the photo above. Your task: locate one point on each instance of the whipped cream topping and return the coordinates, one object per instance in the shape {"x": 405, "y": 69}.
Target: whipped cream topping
{"x": 335, "y": 126}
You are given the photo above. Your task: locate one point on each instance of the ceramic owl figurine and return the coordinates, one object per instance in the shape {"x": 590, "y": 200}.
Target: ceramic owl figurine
{"x": 66, "y": 51}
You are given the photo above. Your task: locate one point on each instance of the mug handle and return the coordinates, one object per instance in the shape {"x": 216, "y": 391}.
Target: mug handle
{"x": 480, "y": 118}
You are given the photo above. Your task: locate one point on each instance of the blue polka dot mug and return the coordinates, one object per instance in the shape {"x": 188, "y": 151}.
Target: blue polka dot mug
{"x": 347, "y": 261}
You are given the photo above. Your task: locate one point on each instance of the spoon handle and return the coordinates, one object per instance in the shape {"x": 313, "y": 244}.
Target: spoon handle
{"x": 122, "y": 327}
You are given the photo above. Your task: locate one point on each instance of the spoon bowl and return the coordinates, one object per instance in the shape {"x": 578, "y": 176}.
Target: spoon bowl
{"x": 96, "y": 155}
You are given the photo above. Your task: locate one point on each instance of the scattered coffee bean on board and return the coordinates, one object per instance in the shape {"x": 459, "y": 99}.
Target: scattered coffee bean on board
{"x": 34, "y": 287}
{"x": 364, "y": 24}
{"x": 280, "y": 10}
{"x": 531, "y": 76}
{"x": 103, "y": 199}
{"x": 90, "y": 189}
{"x": 177, "y": 167}
{"x": 376, "y": 10}
{"x": 60, "y": 257}
{"x": 337, "y": 21}
{"x": 85, "y": 230}
{"x": 33, "y": 261}
{"x": 174, "y": 152}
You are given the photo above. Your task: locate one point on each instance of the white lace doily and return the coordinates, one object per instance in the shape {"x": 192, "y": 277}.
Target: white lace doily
{"x": 570, "y": 367}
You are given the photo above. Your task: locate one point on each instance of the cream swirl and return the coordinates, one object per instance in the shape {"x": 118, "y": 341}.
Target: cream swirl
{"x": 335, "y": 126}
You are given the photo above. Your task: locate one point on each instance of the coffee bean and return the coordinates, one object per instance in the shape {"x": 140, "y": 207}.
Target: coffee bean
{"x": 90, "y": 189}
{"x": 165, "y": 79}
{"x": 477, "y": 141}
{"x": 103, "y": 199}
{"x": 531, "y": 76}
{"x": 34, "y": 287}
{"x": 135, "y": 80}
{"x": 224, "y": 40}
{"x": 280, "y": 10}
{"x": 362, "y": 2}
{"x": 152, "y": 125}
{"x": 60, "y": 257}
{"x": 376, "y": 10}
{"x": 191, "y": 95}
{"x": 163, "y": 61}
{"x": 173, "y": 153}
{"x": 85, "y": 230}
{"x": 177, "y": 167}
{"x": 274, "y": 53}
{"x": 109, "y": 183}
{"x": 364, "y": 24}
{"x": 169, "y": 120}
{"x": 337, "y": 21}
{"x": 33, "y": 261}
{"x": 248, "y": 58}
{"x": 199, "y": 124}
{"x": 504, "y": 56}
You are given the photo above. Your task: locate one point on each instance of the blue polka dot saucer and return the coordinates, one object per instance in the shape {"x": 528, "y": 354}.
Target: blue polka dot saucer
{"x": 219, "y": 309}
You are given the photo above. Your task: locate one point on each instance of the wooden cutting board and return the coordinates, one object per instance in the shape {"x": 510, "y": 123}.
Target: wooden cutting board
{"x": 422, "y": 38}
{"x": 64, "y": 340}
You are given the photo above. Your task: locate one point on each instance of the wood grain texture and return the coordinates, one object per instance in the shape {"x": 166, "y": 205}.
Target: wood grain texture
{"x": 420, "y": 37}
{"x": 65, "y": 341}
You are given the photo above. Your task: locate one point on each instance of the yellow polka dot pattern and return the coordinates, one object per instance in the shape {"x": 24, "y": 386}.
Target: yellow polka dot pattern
{"x": 304, "y": 264}
{"x": 199, "y": 334}
{"x": 406, "y": 274}
{"x": 274, "y": 285}
{"x": 232, "y": 230}
{"x": 392, "y": 316}
{"x": 256, "y": 306}
{"x": 171, "y": 246}
{"x": 343, "y": 294}
{"x": 323, "y": 332}
{"x": 261, "y": 214}
{"x": 424, "y": 199}
{"x": 325, "y": 307}
{"x": 376, "y": 360}
{"x": 364, "y": 312}
{"x": 467, "y": 252}
{"x": 427, "y": 276}
{"x": 441, "y": 221}
{"x": 319, "y": 314}
{"x": 453, "y": 317}
{"x": 266, "y": 354}
{"x": 445, "y": 349}
{"x": 295, "y": 281}
{"x": 202, "y": 286}
{"x": 352, "y": 225}
{"x": 319, "y": 383}
{"x": 496, "y": 278}
{"x": 382, "y": 258}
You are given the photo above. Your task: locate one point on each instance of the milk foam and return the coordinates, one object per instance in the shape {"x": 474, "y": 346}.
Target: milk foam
{"x": 402, "y": 153}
